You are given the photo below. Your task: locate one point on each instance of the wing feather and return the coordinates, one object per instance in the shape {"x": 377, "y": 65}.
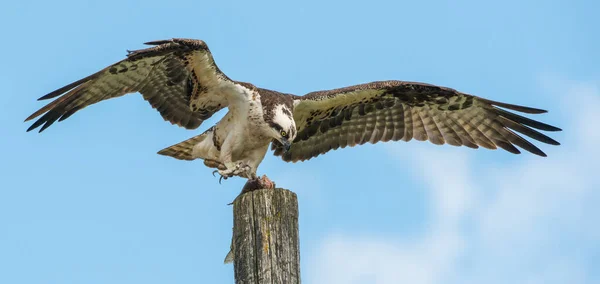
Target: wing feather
{"x": 165, "y": 75}
{"x": 390, "y": 125}
{"x": 433, "y": 132}
{"x": 397, "y": 110}
{"x": 408, "y": 128}
{"x": 419, "y": 132}
{"x": 449, "y": 135}
{"x": 465, "y": 137}
{"x": 527, "y": 131}
{"x": 521, "y": 142}
{"x": 379, "y": 129}
{"x": 469, "y": 122}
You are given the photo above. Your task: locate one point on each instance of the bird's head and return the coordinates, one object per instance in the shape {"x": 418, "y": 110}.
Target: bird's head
{"x": 283, "y": 126}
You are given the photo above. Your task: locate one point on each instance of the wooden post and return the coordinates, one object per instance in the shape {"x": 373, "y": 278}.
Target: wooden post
{"x": 265, "y": 245}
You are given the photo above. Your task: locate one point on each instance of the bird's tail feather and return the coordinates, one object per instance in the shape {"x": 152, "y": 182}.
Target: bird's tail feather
{"x": 183, "y": 150}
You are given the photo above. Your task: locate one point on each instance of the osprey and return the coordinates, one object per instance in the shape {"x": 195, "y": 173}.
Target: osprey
{"x": 180, "y": 79}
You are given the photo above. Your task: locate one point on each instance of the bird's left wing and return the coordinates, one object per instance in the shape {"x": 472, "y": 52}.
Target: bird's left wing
{"x": 397, "y": 110}
{"x": 178, "y": 77}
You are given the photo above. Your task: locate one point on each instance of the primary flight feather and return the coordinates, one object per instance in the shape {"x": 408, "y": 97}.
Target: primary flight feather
{"x": 180, "y": 79}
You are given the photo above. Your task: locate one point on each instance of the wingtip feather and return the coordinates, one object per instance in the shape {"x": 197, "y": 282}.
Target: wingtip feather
{"x": 514, "y": 107}
{"x": 532, "y": 110}
{"x": 158, "y": 42}
{"x": 47, "y": 96}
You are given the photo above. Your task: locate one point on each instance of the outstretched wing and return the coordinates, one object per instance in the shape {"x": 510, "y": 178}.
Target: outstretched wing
{"x": 396, "y": 110}
{"x": 178, "y": 77}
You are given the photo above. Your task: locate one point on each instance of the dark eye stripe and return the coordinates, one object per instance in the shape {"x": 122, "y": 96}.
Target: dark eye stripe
{"x": 276, "y": 126}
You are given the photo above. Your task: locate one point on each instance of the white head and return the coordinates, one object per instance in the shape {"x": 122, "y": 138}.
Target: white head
{"x": 282, "y": 125}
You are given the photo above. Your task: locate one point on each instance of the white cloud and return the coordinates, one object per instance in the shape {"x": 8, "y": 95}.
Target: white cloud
{"x": 526, "y": 222}
{"x": 345, "y": 259}
{"x": 368, "y": 260}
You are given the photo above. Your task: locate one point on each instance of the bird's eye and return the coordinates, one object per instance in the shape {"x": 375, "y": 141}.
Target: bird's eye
{"x": 283, "y": 134}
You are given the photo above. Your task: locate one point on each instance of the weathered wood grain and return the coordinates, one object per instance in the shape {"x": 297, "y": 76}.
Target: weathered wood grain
{"x": 265, "y": 245}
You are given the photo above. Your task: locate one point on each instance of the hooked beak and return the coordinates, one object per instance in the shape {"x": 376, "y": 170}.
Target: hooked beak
{"x": 286, "y": 145}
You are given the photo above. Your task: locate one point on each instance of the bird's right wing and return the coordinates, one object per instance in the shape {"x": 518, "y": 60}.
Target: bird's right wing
{"x": 178, "y": 77}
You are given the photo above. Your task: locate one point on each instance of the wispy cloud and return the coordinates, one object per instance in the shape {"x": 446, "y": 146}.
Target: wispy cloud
{"x": 531, "y": 221}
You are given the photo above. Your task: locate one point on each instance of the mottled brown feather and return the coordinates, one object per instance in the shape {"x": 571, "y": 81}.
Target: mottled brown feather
{"x": 449, "y": 135}
{"x": 465, "y": 137}
{"x": 183, "y": 150}
{"x": 397, "y": 110}
{"x": 163, "y": 74}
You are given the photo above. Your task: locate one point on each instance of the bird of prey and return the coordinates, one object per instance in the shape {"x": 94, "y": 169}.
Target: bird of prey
{"x": 179, "y": 78}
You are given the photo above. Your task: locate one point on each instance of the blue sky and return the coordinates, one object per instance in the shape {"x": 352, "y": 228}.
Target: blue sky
{"x": 89, "y": 201}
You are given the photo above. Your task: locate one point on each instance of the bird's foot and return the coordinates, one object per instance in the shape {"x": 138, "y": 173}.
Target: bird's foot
{"x": 240, "y": 169}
